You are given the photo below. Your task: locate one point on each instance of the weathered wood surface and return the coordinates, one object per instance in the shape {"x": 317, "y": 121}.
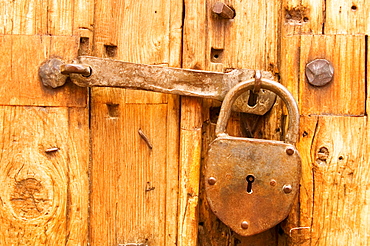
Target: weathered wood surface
{"x": 43, "y": 172}
{"x": 21, "y": 56}
{"x": 189, "y": 171}
{"x": 347, "y": 53}
{"x": 45, "y": 196}
{"x": 44, "y": 150}
{"x": 134, "y": 178}
{"x": 334, "y": 194}
{"x": 333, "y": 202}
{"x": 247, "y": 41}
{"x": 137, "y": 181}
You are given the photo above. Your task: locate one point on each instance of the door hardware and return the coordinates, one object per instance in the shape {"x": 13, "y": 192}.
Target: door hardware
{"x": 251, "y": 183}
{"x": 87, "y": 71}
{"x": 319, "y": 72}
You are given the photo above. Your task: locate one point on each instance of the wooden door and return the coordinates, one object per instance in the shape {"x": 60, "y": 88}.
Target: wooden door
{"x": 108, "y": 166}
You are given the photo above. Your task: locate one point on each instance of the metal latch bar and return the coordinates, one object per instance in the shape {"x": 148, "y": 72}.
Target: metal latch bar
{"x": 87, "y": 71}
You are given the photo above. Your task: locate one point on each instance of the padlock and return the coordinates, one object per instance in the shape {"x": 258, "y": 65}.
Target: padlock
{"x": 250, "y": 183}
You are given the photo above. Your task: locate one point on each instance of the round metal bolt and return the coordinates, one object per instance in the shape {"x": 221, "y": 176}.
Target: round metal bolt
{"x": 245, "y": 225}
{"x": 212, "y": 180}
{"x": 319, "y": 72}
{"x": 50, "y": 74}
{"x": 273, "y": 182}
{"x": 287, "y": 188}
{"x": 289, "y": 150}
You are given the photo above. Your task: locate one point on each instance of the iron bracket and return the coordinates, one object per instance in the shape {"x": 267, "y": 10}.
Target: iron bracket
{"x": 87, "y": 71}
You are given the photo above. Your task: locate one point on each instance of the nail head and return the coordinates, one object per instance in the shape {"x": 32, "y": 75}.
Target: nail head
{"x": 319, "y": 72}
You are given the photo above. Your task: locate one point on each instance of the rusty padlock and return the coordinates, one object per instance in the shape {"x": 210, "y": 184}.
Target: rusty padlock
{"x": 251, "y": 183}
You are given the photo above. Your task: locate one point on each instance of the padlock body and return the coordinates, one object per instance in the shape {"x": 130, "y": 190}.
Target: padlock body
{"x": 248, "y": 207}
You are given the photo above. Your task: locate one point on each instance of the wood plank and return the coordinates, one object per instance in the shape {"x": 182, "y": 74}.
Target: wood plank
{"x": 290, "y": 55}
{"x": 83, "y": 18}
{"x": 346, "y": 53}
{"x": 346, "y": 17}
{"x": 149, "y": 46}
{"x": 44, "y": 196}
{"x": 335, "y": 181}
{"x": 83, "y": 25}
{"x": 78, "y": 166}
{"x": 172, "y": 170}
{"x": 24, "y": 17}
{"x": 302, "y": 17}
{"x": 190, "y": 153}
{"x": 247, "y": 41}
{"x": 136, "y": 183}
{"x": 368, "y": 75}
{"x": 43, "y": 17}
{"x": 152, "y": 46}
{"x": 175, "y": 29}
{"x": 60, "y": 17}
{"x": 250, "y": 39}
{"x": 194, "y": 54}
{"x": 22, "y": 56}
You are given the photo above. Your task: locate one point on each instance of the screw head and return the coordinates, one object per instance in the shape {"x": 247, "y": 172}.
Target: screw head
{"x": 319, "y": 72}
{"x": 212, "y": 180}
{"x": 287, "y": 188}
{"x": 244, "y": 225}
{"x": 273, "y": 182}
{"x": 289, "y": 150}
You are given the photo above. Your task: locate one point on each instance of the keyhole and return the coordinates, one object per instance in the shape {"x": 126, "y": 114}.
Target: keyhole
{"x": 250, "y": 180}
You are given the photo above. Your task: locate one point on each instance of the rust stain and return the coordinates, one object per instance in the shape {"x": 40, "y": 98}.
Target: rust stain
{"x": 296, "y": 14}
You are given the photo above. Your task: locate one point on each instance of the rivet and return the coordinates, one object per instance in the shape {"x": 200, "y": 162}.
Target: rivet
{"x": 212, "y": 180}
{"x": 287, "y": 188}
{"x": 273, "y": 182}
{"x": 319, "y": 72}
{"x": 289, "y": 150}
{"x": 245, "y": 225}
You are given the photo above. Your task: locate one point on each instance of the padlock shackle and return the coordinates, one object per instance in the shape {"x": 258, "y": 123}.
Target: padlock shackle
{"x": 292, "y": 135}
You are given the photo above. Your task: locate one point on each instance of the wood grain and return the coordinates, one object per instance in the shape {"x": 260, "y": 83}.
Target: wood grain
{"x": 367, "y": 78}
{"x": 334, "y": 193}
{"x": 24, "y": 17}
{"x": 21, "y": 57}
{"x": 137, "y": 184}
{"x": 250, "y": 39}
{"x": 347, "y": 17}
{"x": 45, "y": 17}
{"x": 194, "y": 57}
{"x": 44, "y": 192}
{"x": 190, "y": 153}
{"x": 302, "y": 17}
{"x": 346, "y": 53}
